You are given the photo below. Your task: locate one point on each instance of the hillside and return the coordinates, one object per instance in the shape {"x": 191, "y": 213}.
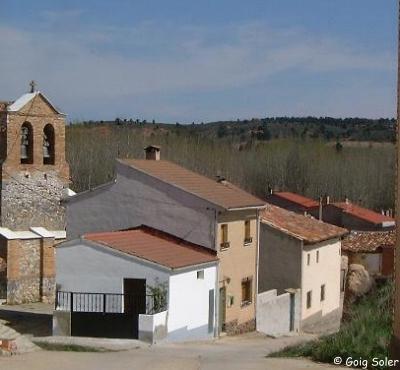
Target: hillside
{"x": 323, "y": 128}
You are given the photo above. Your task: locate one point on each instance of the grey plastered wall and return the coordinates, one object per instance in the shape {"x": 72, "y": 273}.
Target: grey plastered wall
{"x": 279, "y": 261}
{"x": 275, "y": 312}
{"x": 330, "y": 214}
{"x": 83, "y": 268}
{"x": 135, "y": 199}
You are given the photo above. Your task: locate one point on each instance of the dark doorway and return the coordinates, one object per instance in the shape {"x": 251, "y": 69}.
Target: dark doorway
{"x": 222, "y": 309}
{"x": 135, "y": 295}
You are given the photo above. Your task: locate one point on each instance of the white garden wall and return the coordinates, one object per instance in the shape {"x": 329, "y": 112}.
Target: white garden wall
{"x": 190, "y": 315}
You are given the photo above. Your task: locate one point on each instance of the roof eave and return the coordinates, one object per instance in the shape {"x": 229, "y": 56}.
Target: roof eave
{"x": 246, "y": 207}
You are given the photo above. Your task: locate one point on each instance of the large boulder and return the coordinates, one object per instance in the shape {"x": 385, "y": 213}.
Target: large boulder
{"x": 359, "y": 282}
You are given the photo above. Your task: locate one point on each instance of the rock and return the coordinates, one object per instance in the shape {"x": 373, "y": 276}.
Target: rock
{"x": 359, "y": 282}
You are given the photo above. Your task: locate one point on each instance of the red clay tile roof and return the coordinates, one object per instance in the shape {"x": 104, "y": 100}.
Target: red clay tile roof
{"x": 363, "y": 213}
{"x": 370, "y": 241}
{"x": 155, "y": 246}
{"x": 223, "y": 194}
{"x": 305, "y": 228}
{"x": 297, "y": 199}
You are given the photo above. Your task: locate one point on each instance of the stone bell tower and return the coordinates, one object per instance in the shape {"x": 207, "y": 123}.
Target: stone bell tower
{"x": 34, "y": 171}
{"x": 34, "y": 179}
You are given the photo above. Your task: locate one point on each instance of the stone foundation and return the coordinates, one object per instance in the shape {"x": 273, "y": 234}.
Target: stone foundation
{"x": 233, "y": 328}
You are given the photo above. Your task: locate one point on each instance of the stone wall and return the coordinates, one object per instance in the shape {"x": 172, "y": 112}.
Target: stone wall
{"x": 32, "y": 199}
{"x": 30, "y": 271}
{"x": 233, "y": 328}
{"x": 24, "y": 279}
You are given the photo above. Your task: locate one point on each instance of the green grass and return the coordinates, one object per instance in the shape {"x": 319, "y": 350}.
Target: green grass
{"x": 68, "y": 347}
{"x": 366, "y": 333}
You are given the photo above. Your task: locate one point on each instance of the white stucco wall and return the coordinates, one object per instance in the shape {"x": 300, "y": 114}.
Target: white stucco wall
{"x": 83, "y": 268}
{"x": 326, "y": 271}
{"x": 188, "y": 312}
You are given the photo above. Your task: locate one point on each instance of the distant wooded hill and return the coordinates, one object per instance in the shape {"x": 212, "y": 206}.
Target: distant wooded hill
{"x": 264, "y": 129}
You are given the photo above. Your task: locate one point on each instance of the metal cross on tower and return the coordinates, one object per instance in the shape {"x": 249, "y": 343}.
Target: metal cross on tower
{"x": 32, "y": 84}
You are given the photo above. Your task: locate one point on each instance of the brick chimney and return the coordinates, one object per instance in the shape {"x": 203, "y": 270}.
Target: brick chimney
{"x": 153, "y": 152}
{"x": 320, "y": 208}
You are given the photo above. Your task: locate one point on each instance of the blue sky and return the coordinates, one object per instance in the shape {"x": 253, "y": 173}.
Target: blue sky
{"x": 203, "y": 60}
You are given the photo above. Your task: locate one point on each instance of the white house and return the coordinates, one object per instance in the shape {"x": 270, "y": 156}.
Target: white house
{"x": 301, "y": 253}
{"x": 165, "y": 283}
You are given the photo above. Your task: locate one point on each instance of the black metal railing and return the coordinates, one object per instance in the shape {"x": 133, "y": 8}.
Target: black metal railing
{"x": 109, "y": 302}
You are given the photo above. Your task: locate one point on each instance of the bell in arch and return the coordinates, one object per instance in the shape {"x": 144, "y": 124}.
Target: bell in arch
{"x": 46, "y": 145}
{"x": 24, "y": 143}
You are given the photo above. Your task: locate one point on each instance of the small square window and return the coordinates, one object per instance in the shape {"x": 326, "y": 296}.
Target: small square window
{"x": 309, "y": 299}
{"x": 200, "y": 275}
{"x": 308, "y": 259}
{"x": 247, "y": 233}
{"x": 247, "y": 288}
{"x": 322, "y": 293}
{"x": 224, "y": 237}
{"x": 317, "y": 256}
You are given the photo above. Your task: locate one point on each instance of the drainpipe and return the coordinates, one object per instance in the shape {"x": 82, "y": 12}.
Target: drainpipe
{"x": 257, "y": 264}
{"x": 301, "y": 284}
{"x": 320, "y": 209}
{"x": 216, "y": 303}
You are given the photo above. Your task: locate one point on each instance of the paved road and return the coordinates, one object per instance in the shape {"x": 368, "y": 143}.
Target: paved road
{"x": 234, "y": 353}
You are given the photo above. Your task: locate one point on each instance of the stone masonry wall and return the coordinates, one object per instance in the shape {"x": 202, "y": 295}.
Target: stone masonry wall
{"x": 32, "y": 199}
{"x": 31, "y": 271}
{"x": 233, "y": 328}
{"x": 24, "y": 279}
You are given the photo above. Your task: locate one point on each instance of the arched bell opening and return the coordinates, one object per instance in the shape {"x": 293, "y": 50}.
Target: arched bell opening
{"x": 26, "y": 150}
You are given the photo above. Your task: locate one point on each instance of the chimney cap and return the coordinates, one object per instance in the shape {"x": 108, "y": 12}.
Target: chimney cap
{"x": 156, "y": 147}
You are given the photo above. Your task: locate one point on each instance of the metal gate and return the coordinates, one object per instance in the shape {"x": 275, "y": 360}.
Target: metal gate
{"x": 105, "y": 315}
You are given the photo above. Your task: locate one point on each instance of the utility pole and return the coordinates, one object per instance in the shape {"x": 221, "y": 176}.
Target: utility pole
{"x": 396, "y": 323}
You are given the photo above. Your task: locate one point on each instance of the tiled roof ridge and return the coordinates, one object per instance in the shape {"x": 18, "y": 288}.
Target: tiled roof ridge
{"x": 362, "y": 212}
{"x": 154, "y": 232}
{"x": 285, "y": 221}
{"x": 135, "y": 163}
{"x": 297, "y": 198}
{"x": 369, "y": 241}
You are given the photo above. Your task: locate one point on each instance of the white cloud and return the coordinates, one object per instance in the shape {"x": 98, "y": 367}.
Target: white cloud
{"x": 99, "y": 66}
